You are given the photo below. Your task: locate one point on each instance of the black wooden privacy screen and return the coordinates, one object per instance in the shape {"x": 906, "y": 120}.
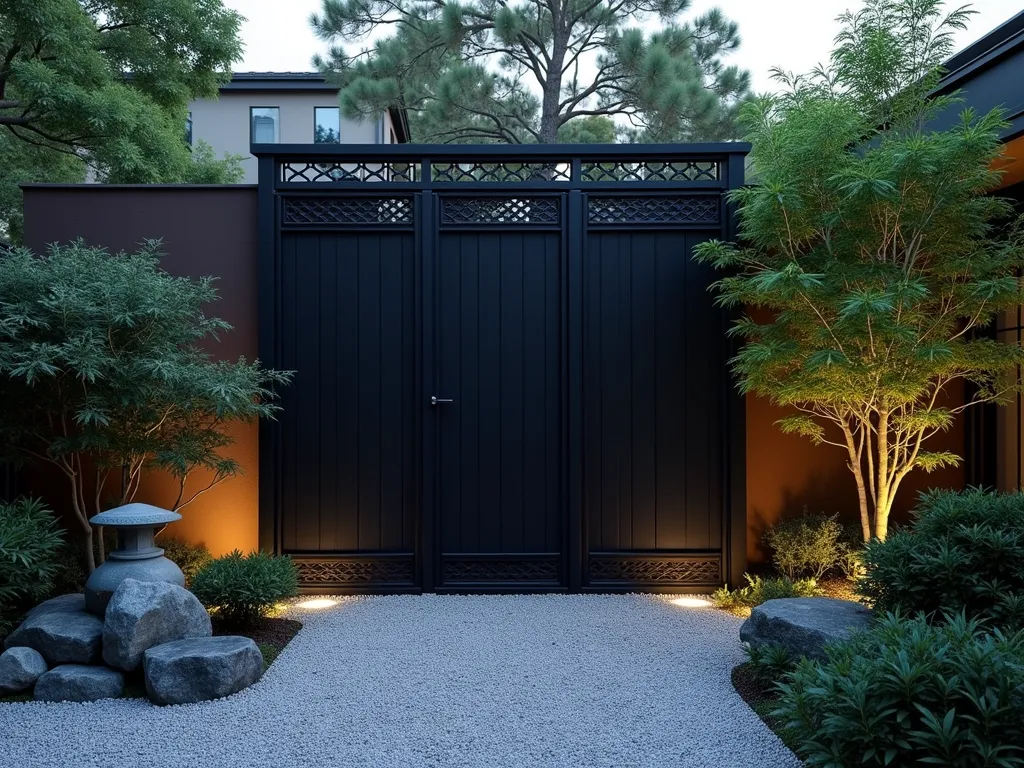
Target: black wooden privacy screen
{"x": 510, "y": 374}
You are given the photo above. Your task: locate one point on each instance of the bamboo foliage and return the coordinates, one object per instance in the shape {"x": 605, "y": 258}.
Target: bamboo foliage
{"x": 877, "y": 249}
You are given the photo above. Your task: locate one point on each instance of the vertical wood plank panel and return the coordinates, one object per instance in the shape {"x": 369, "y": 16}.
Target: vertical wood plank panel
{"x": 511, "y": 403}
{"x": 346, "y": 383}
{"x": 643, "y": 381}
{"x": 391, "y": 386}
{"x": 490, "y": 387}
{"x": 327, "y": 438}
{"x": 307, "y": 480}
{"x": 369, "y": 373}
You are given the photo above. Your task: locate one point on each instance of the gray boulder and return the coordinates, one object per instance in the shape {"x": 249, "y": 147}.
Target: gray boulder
{"x": 804, "y": 625}
{"x": 72, "y": 603}
{"x": 71, "y": 637}
{"x": 19, "y": 668}
{"x": 186, "y": 671}
{"x": 77, "y": 682}
{"x": 142, "y": 614}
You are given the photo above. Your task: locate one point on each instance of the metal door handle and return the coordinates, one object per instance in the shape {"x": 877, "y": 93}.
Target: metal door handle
{"x": 434, "y": 400}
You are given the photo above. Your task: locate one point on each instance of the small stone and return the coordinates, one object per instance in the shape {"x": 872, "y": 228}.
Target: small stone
{"x": 77, "y": 682}
{"x": 61, "y": 637}
{"x": 200, "y": 669}
{"x": 143, "y": 614}
{"x": 804, "y": 625}
{"x": 20, "y": 667}
{"x": 71, "y": 603}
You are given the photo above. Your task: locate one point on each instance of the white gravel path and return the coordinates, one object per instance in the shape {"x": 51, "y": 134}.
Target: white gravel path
{"x": 401, "y": 682}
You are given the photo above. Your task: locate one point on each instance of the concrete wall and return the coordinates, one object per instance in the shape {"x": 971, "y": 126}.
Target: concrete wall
{"x": 224, "y": 123}
{"x": 206, "y": 231}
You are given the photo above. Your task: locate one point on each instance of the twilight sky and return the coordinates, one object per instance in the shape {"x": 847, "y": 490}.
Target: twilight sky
{"x": 792, "y": 34}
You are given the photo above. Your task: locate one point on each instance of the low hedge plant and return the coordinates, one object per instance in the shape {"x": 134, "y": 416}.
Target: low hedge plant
{"x": 244, "y": 588}
{"x": 910, "y": 692}
{"x": 963, "y": 551}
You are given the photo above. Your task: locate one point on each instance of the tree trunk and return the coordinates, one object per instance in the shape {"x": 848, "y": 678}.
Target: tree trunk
{"x": 858, "y": 475}
{"x": 78, "y": 505}
{"x": 90, "y": 556}
{"x": 552, "y": 86}
{"x": 101, "y": 547}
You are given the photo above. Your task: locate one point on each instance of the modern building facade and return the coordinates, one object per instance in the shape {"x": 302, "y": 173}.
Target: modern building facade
{"x": 283, "y": 108}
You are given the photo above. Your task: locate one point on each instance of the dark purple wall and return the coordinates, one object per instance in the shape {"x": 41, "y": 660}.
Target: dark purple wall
{"x": 206, "y": 230}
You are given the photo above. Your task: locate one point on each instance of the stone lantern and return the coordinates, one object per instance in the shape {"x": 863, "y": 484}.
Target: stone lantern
{"x": 136, "y": 556}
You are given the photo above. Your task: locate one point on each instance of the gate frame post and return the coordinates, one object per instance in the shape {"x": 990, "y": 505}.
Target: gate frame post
{"x": 576, "y": 538}
{"x": 735, "y": 407}
{"x": 269, "y": 430}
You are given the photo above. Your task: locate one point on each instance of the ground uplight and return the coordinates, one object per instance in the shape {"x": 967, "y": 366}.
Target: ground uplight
{"x": 317, "y": 604}
{"x": 691, "y": 602}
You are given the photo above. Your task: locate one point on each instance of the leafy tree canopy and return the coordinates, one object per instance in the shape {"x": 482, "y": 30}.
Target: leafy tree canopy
{"x": 878, "y": 251}
{"x": 524, "y": 71}
{"x": 105, "y": 373}
{"x": 108, "y": 82}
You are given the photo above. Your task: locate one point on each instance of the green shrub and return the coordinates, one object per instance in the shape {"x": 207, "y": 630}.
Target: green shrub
{"x": 30, "y": 543}
{"x": 760, "y": 590}
{"x": 964, "y": 551}
{"x": 244, "y": 588}
{"x": 191, "y": 558}
{"x": 770, "y": 663}
{"x": 809, "y": 545}
{"x": 910, "y": 693}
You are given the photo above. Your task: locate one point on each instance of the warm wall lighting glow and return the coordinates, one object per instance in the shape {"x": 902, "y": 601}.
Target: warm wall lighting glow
{"x": 690, "y": 602}
{"x": 317, "y": 604}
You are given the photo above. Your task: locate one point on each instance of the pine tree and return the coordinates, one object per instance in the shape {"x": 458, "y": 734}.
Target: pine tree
{"x": 522, "y": 71}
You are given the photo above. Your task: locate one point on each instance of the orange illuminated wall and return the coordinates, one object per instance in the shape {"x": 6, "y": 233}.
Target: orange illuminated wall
{"x": 207, "y": 230}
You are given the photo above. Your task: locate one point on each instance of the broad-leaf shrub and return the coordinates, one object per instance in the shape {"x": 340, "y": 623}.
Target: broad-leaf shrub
{"x": 809, "y": 545}
{"x": 30, "y": 546}
{"x": 911, "y": 693}
{"x": 964, "y": 551}
{"x": 191, "y": 558}
{"x": 244, "y": 588}
{"x": 760, "y": 590}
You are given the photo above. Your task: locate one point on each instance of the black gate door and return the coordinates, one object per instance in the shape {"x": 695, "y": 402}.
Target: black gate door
{"x": 499, "y": 353}
{"x": 509, "y": 372}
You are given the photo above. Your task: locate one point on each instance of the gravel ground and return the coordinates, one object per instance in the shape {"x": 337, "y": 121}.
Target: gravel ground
{"x": 400, "y": 682}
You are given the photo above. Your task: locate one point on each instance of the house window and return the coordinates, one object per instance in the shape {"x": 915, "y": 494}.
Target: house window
{"x": 266, "y": 125}
{"x": 327, "y": 125}
{"x": 188, "y": 129}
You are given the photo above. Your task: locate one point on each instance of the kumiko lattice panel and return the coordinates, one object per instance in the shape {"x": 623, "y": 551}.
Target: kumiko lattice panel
{"x": 456, "y": 211}
{"x": 500, "y": 172}
{"x": 347, "y": 210}
{"x": 303, "y": 172}
{"x": 654, "y": 210}
{"x": 650, "y": 170}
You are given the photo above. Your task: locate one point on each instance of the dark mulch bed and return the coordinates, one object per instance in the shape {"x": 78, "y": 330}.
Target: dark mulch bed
{"x": 840, "y": 588}
{"x": 762, "y": 698}
{"x": 271, "y": 635}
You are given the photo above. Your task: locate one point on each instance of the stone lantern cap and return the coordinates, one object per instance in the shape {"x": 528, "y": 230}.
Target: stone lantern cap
{"x": 135, "y": 514}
